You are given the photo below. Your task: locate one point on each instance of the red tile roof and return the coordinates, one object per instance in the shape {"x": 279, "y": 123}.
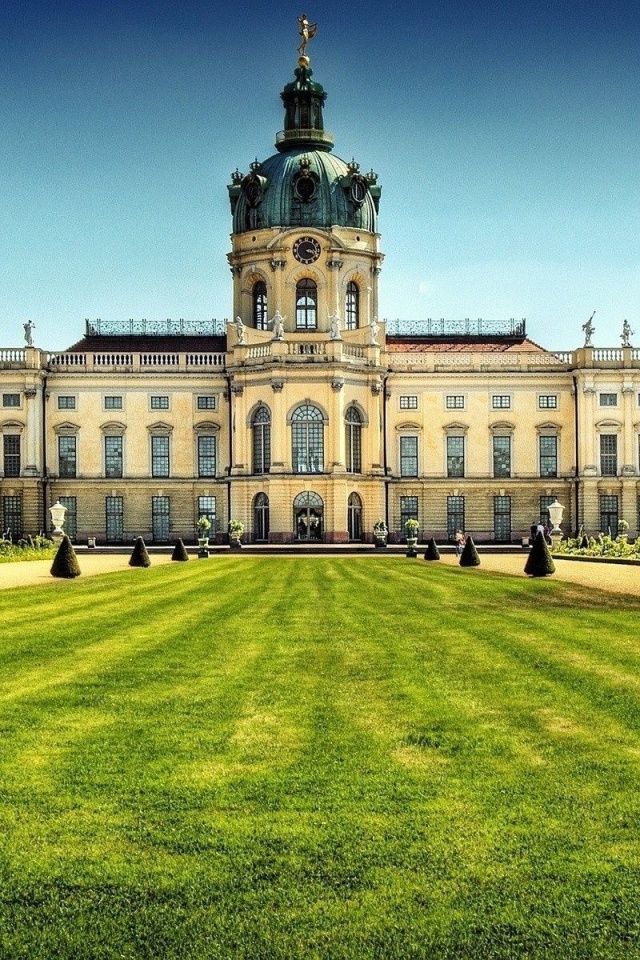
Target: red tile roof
{"x": 149, "y": 344}
{"x": 460, "y": 345}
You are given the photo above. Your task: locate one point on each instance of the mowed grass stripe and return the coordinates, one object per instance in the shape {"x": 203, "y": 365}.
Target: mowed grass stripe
{"x": 310, "y": 757}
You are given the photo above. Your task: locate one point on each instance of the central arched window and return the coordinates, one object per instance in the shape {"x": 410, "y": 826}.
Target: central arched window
{"x": 261, "y": 427}
{"x": 354, "y": 516}
{"x": 308, "y": 510}
{"x": 260, "y": 317}
{"x": 307, "y": 437}
{"x": 306, "y": 305}
{"x": 353, "y": 446}
{"x": 352, "y": 306}
{"x": 261, "y": 517}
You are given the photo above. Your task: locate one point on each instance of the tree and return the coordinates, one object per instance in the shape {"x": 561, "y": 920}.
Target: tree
{"x": 432, "y": 552}
{"x": 539, "y": 562}
{"x": 180, "y": 551}
{"x": 139, "y": 557}
{"x": 469, "y": 556}
{"x": 65, "y": 563}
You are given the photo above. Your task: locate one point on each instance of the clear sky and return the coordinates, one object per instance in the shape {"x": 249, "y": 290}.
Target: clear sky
{"x": 505, "y": 135}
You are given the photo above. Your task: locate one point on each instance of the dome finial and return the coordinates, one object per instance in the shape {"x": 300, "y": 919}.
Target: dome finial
{"x": 307, "y": 31}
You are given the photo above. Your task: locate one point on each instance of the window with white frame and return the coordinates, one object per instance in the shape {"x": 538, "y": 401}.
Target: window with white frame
{"x": 10, "y": 399}
{"x": 547, "y": 401}
{"x": 160, "y": 456}
{"x": 502, "y": 456}
{"x": 454, "y": 401}
{"x": 408, "y": 403}
{"x": 11, "y": 454}
{"x": 113, "y": 403}
{"x": 66, "y": 403}
{"x": 608, "y": 454}
{"x": 206, "y": 456}
{"x": 501, "y": 401}
{"x": 207, "y": 402}
{"x": 548, "y": 455}
{"x": 455, "y": 455}
{"x": 159, "y": 402}
{"x": 409, "y": 456}
{"x": 608, "y": 399}
{"x": 67, "y": 456}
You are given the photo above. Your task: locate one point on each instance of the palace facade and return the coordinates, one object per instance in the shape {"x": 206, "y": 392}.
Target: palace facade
{"x": 306, "y": 417}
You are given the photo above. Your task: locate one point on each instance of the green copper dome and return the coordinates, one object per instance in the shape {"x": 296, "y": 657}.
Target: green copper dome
{"x": 304, "y": 185}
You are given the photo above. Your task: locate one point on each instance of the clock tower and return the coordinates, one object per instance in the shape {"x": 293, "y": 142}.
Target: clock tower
{"x": 305, "y": 246}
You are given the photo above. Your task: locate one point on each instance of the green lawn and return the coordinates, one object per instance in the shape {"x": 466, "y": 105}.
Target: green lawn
{"x": 310, "y": 757}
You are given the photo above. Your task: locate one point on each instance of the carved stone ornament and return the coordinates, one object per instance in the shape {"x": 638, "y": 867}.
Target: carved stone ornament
{"x": 277, "y": 385}
{"x": 337, "y": 383}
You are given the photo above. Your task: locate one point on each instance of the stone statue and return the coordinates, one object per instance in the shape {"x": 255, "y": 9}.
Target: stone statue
{"x": 278, "y": 326}
{"x": 334, "y": 326}
{"x": 29, "y": 327}
{"x": 589, "y": 330}
{"x": 307, "y": 31}
{"x": 240, "y": 330}
{"x": 375, "y": 329}
{"x": 626, "y": 334}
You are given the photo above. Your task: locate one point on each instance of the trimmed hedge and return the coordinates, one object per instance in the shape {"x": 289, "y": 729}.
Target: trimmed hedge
{"x": 180, "y": 551}
{"x": 139, "y": 557}
{"x": 539, "y": 562}
{"x": 469, "y": 556}
{"x": 65, "y": 563}
{"x": 432, "y": 552}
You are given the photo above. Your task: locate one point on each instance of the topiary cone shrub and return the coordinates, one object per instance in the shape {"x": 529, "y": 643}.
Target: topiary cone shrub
{"x": 139, "y": 557}
{"x": 65, "y": 563}
{"x": 180, "y": 551}
{"x": 584, "y": 543}
{"x": 469, "y": 556}
{"x": 432, "y": 552}
{"x": 539, "y": 562}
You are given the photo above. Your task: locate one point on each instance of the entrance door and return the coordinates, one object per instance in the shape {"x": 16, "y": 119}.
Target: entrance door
{"x": 308, "y": 510}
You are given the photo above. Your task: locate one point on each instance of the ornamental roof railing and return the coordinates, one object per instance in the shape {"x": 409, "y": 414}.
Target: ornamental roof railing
{"x": 155, "y": 328}
{"x": 478, "y": 329}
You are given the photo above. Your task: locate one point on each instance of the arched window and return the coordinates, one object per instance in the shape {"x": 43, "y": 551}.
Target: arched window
{"x": 308, "y": 510}
{"x": 307, "y": 437}
{"x": 353, "y": 446}
{"x": 260, "y": 317}
{"x": 354, "y": 517}
{"x": 261, "y": 517}
{"x": 306, "y": 305}
{"x": 352, "y": 306}
{"x": 261, "y": 427}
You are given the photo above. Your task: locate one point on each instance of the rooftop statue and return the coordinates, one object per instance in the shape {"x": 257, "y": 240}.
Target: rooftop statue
{"x": 589, "y": 330}
{"x": 29, "y": 327}
{"x": 626, "y": 334}
{"x": 307, "y": 31}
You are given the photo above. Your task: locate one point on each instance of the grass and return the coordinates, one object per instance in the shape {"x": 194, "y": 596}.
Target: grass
{"x": 318, "y": 758}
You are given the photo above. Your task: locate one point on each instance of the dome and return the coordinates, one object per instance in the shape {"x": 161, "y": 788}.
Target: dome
{"x": 304, "y": 185}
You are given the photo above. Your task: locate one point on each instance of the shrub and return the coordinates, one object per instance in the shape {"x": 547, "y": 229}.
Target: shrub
{"x": 469, "y": 556}
{"x": 65, "y": 563}
{"x": 432, "y": 552}
{"x": 539, "y": 562}
{"x": 139, "y": 557}
{"x": 180, "y": 551}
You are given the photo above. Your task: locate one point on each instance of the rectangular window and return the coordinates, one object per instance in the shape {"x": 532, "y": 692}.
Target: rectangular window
{"x": 114, "y": 514}
{"x": 501, "y": 402}
{"x": 408, "y": 511}
{"x": 67, "y": 457}
{"x": 455, "y": 516}
{"x": 207, "y": 508}
{"x": 609, "y": 514}
{"x": 159, "y": 456}
{"x": 408, "y": 403}
{"x": 454, "y": 402}
{"x": 207, "y": 403}
{"x": 548, "y": 402}
{"x": 455, "y": 456}
{"x": 206, "y": 456}
{"x": 12, "y": 517}
{"x": 408, "y": 456}
{"x": 502, "y": 456}
{"x": 66, "y": 403}
{"x": 10, "y": 399}
{"x": 71, "y": 518}
{"x": 608, "y": 399}
{"x": 548, "y": 456}
{"x": 160, "y": 518}
{"x": 113, "y": 458}
{"x": 11, "y": 451}
{"x": 545, "y": 503}
{"x": 502, "y": 518}
{"x": 159, "y": 403}
{"x": 608, "y": 454}
{"x": 113, "y": 403}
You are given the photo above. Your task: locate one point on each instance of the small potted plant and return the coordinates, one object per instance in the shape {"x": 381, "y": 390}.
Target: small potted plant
{"x": 411, "y": 526}
{"x": 236, "y": 529}
{"x": 203, "y": 525}
{"x": 623, "y": 527}
{"x": 380, "y": 534}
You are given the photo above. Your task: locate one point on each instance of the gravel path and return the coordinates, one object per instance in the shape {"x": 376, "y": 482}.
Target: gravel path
{"x": 612, "y": 577}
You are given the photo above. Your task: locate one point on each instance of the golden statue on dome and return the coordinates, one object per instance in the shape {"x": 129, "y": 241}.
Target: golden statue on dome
{"x": 307, "y": 31}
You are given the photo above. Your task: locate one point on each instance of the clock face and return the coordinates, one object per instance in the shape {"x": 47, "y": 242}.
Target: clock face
{"x": 306, "y": 250}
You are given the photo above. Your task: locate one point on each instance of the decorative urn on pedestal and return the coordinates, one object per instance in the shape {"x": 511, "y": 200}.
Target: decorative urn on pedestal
{"x": 203, "y": 525}
{"x": 556, "y": 510}
{"x": 411, "y": 526}
{"x": 58, "y": 513}
{"x": 236, "y": 529}
{"x": 380, "y": 534}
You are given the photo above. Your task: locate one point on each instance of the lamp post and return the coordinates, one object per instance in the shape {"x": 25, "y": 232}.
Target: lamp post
{"x": 58, "y": 513}
{"x": 555, "y": 515}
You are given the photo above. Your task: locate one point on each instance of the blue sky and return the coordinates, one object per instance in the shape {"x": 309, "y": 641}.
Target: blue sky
{"x": 505, "y": 136}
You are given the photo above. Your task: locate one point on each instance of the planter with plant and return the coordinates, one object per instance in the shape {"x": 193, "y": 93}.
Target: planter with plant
{"x": 411, "y": 526}
{"x": 204, "y": 526}
{"x": 236, "y": 529}
{"x": 380, "y": 533}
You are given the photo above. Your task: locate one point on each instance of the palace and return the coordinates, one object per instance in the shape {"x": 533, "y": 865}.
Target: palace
{"x": 307, "y": 417}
